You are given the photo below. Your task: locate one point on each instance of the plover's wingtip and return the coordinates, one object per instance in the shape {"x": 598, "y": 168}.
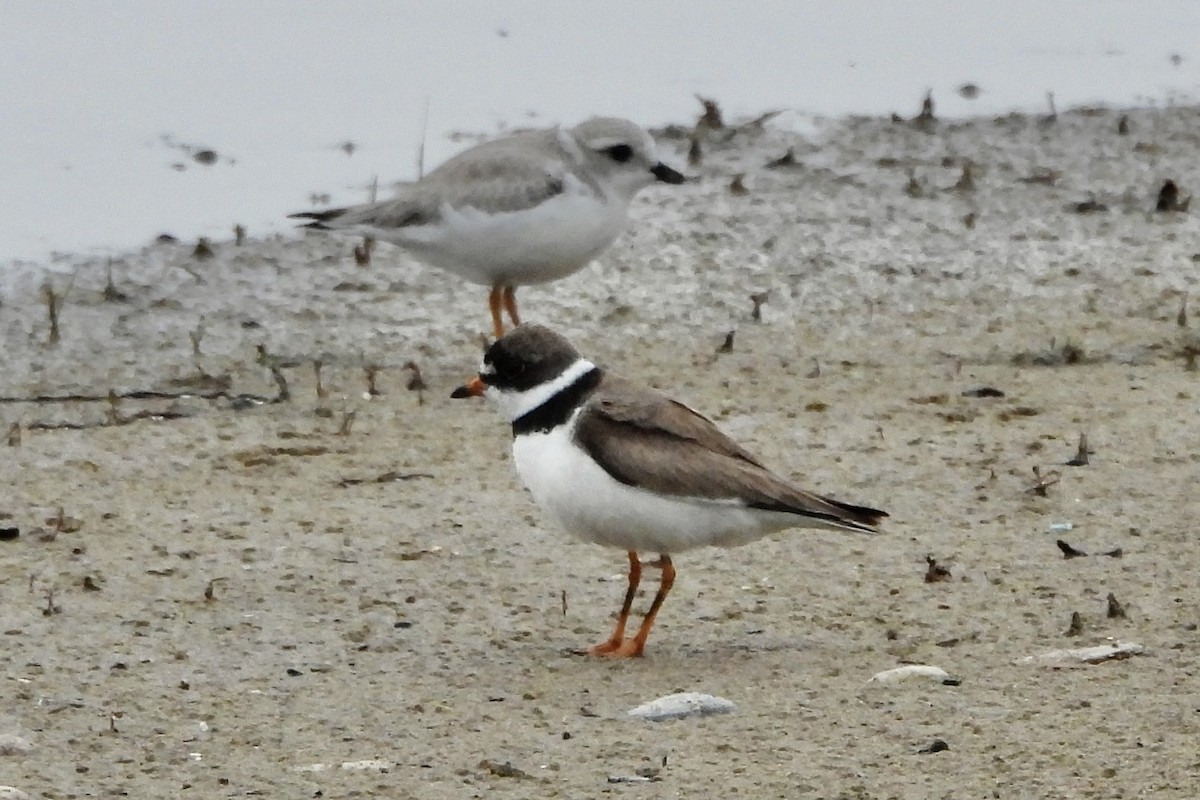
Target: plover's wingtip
{"x": 862, "y": 519}
{"x": 312, "y": 220}
{"x": 317, "y": 219}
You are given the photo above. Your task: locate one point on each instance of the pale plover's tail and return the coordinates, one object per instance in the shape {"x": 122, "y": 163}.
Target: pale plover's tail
{"x": 319, "y": 218}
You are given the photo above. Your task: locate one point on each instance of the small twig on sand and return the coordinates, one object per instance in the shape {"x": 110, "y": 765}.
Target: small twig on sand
{"x": 371, "y": 371}
{"x": 416, "y": 383}
{"x": 1044, "y": 482}
{"x": 54, "y": 303}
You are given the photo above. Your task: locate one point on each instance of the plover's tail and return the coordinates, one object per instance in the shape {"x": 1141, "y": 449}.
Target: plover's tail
{"x": 858, "y": 518}
{"x": 319, "y": 218}
{"x": 818, "y": 511}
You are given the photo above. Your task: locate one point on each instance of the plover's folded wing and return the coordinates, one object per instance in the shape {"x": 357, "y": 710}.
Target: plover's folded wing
{"x": 496, "y": 193}
{"x": 644, "y": 439}
{"x": 516, "y": 182}
{"x": 504, "y": 175}
{"x": 654, "y": 413}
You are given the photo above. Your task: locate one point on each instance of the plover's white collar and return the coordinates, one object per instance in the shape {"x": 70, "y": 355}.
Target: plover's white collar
{"x": 514, "y": 404}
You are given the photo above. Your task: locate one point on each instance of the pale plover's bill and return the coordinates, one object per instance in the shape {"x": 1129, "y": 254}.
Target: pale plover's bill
{"x": 625, "y": 466}
{"x": 527, "y": 208}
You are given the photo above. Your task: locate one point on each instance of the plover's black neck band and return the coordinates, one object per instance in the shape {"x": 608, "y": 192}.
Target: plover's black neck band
{"x": 559, "y": 408}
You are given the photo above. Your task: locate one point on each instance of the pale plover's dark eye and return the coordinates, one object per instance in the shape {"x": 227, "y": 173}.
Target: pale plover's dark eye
{"x": 619, "y": 153}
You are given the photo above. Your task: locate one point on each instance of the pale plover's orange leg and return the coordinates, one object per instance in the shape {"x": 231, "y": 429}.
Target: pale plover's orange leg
{"x": 510, "y": 302}
{"x": 633, "y": 648}
{"x": 495, "y": 300}
{"x": 615, "y": 641}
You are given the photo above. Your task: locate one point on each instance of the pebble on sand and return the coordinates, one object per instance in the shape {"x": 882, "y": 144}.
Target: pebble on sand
{"x": 914, "y": 671}
{"x": 13, "y": 745}
{"x": 683, "y": 704}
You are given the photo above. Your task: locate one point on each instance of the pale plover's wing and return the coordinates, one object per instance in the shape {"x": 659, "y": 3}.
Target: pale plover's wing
{"x": 505, "y": 175}
{"x": 642, "y": 438}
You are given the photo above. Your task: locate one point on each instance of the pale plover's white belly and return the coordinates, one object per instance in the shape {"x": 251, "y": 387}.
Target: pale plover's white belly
{"x": 551, "y": 240}
{"x": 593, "y": 506}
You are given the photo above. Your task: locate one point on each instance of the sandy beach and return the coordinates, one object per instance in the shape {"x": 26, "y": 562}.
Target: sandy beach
{"x": 238, "y": 571}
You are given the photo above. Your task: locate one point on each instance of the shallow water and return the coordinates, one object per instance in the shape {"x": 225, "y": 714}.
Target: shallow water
{"x": 106, "y": 105}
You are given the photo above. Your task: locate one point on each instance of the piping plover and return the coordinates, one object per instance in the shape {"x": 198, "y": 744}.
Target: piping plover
{"x": 624, "y": 466}
{"x": 527, "y": 208}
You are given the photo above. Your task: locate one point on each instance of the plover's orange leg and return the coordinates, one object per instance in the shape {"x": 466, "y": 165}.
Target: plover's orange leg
{"x": 495, "y": 300}
{"x": 633, "y": 648}
{"x": 615, "y": 641}
{"x": 510, "y": 302}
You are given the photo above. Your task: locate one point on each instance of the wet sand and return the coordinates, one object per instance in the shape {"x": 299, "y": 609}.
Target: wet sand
{"x": 216, "y": 593}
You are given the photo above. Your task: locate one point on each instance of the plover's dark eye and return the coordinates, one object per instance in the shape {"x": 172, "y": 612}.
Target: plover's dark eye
{"x": 619, "y": 153}
{"x": 502, "y": 369}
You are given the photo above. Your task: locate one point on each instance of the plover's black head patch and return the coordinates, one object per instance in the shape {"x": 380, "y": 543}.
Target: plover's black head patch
{"x": 529, "y": 356}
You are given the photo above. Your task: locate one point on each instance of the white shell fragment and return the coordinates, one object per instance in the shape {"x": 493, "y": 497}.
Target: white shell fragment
{"x": 1087, "y": 655}
{"x": 683, "y": 704}
{"x": 913, "y": 671}
{"x": 366, "y": 765}
{"x": 12, "y": 793}
{"x": 630, "y": 779}
{"x": 319, "y": 767}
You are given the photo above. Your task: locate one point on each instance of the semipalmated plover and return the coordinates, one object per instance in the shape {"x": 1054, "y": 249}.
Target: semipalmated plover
{"x": 625, "y": 466}
{"x": 527, "y": 208}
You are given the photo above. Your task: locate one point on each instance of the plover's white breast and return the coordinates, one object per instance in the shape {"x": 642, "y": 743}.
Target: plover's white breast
{"x": 549, "y": 240}
{"x": 592, "y": 505}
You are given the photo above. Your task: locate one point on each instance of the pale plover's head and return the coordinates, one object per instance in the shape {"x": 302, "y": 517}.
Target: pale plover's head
{"x": 621, "y": 155}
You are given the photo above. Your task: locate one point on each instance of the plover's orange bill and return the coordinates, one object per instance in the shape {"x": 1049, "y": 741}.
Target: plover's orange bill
{"x": 624, "y": 466}
{"x": 527, "y": 208}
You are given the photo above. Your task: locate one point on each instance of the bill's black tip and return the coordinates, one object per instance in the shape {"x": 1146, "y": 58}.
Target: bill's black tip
{"x": 460, "y": 392}
{"x": 667, "y": 175}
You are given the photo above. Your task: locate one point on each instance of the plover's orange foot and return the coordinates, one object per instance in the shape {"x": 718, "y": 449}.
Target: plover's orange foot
{"x": 604, "y": 648}
{"x": 630, "y": 648}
